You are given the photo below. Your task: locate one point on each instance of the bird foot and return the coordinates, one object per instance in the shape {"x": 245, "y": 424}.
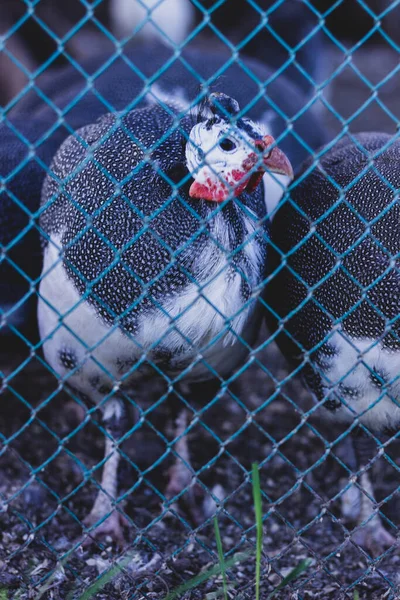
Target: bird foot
{"x": 358, "y": 505}
{"x": 181, "y": 480}
{"x": 374, "y": 538}
{"x": 111, "y": 527}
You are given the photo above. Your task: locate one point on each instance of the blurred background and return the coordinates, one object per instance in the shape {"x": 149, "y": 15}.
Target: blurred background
{"x": 349, "y": 47}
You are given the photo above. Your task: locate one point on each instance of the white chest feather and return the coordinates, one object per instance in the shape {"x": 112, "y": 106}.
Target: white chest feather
{"x": 365, "y": 376}
{"x": 207, "y": 323}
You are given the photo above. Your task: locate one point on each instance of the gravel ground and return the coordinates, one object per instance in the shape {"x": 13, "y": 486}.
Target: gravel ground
{"x": 46, "y": 488}
{"x": 48, "y": 495}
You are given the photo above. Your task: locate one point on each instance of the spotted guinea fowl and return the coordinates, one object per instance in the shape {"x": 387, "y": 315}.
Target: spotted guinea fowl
{"x": 142, "y": 267}
{"x": 334, "y": 297}
{"x": 35, "y": 124}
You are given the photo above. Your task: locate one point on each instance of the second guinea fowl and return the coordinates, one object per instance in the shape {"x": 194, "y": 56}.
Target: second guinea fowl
{"x": 143, "y": 270}
{"x": 334, "y": 295}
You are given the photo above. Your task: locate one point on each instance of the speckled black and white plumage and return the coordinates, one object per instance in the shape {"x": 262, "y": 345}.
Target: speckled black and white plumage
{"x": 141, "y": 273}
{"x": 337, "y": 295}
{"x": 118, "y": 86}
{"x": 137, "y": 270}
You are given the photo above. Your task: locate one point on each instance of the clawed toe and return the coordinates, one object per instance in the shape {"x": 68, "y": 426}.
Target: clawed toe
{"x": 111, "y": 527}
{"x": 374, "y": 538}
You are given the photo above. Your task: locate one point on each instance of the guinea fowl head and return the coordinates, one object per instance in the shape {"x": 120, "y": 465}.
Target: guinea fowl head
{"x": 227, "y": 155}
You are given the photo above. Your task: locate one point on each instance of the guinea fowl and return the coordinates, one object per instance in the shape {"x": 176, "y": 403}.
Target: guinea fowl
{"x": 119, "y": 85}
{"x": 333, "y": 299}
{"x": 143, "y": 270}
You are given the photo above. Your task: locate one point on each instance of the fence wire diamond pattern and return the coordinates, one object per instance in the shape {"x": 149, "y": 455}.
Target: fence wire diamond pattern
{"x": 131, "y": 449}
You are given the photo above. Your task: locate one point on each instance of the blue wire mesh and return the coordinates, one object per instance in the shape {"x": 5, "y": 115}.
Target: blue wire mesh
{"x": 52, "y": 439}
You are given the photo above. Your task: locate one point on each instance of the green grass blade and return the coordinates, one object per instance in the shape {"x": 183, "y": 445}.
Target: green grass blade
{"x": 3, "y": 594}
{"x": 101, "y": 582}
{"x": 356, "y": 595}
{"x": 43, "y": 588}
{"x": 119, "y": 567}
{"x": 294, "y": 574}
{"x": 221, "y": 557}
{"x": 259, "y": 524}
{"x": 199, "y": 579}
{"x": 106, "y": 577}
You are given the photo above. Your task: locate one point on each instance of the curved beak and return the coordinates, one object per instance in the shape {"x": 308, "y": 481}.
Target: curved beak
{"x": 267, "y": 159}
{"x": 274, "y": 160}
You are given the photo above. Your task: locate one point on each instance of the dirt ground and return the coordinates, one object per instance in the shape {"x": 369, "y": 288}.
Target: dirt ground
{"x": 47, "y": 469}
{"x": 48, "y": 488}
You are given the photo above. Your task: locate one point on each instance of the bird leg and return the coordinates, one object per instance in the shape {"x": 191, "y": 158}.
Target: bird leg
{"x": 370, "y": 533}
{"x": 180, "y": 475}
{"x": 105, "y": 518}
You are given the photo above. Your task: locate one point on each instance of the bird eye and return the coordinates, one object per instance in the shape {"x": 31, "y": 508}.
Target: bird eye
{"x": 227, "y": 145}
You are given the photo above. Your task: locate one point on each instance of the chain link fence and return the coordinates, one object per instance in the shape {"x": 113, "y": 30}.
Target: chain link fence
{"x": 179, "y": 448}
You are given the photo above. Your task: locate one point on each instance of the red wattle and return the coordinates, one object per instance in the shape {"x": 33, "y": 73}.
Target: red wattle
{"x": 211, "y": 192}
